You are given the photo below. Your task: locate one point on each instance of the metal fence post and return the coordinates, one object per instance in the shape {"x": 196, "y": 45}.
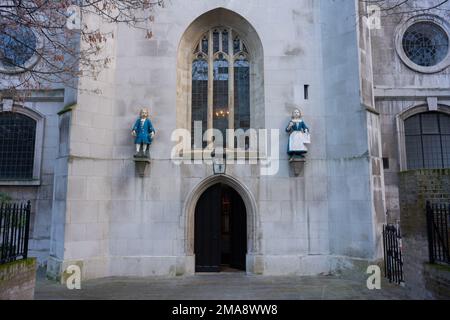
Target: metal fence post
{"x": 393, "y": 263}
{"x": 27, "y": 229}
{"x": 430, "y": 219}
{"x": 14, "y": 231}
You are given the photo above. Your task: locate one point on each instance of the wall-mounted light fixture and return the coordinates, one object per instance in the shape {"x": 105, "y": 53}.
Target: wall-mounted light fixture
{"x": 219, "y": 162}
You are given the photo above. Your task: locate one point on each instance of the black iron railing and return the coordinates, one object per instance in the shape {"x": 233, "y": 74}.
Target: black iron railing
{"x": 14, "y": 231}
{"x": 393, "y": 261}
{"x": 438, "y": 222}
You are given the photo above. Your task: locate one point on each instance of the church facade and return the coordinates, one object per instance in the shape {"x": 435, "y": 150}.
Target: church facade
{"x": 366, "y": 95}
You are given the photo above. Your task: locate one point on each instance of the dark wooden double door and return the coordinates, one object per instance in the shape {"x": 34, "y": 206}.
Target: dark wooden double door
{"x": 220, "y": 230}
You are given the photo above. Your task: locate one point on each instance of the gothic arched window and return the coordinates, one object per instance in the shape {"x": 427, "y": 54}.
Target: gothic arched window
{"x": 427, "y": 137}
{"x": 17, "y": 146}
{"x": 220, "y": 82}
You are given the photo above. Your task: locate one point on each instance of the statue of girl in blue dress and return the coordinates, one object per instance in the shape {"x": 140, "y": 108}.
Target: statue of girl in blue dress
{"x": 144, "y": 132}
{"x": 299, "y": 136}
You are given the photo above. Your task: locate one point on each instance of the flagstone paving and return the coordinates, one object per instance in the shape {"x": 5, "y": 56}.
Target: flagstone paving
{"x": 232, "y": 286}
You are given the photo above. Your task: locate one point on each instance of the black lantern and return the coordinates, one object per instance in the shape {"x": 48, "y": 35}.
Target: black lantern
{"x": 219, "y": 162}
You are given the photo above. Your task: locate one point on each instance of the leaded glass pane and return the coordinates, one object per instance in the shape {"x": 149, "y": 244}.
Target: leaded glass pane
{"x": 446, "y": 150}
{"x": 205, "y": 45}
{"x": 414, "y": 152}
{"x": 412, "y": 125}
{"x": 430, "y": 124}
{"x": 220, "y": 94}
{"x": 236, "y": 45}
{"x": 216, "y": 41}
{"x": 432, "y": 151}
{"x": 225, "y": 41}
{"x": 199, "y": 96}
{"x": 17, "y": 140}
{"x": 241, "y": 94}
{"x": 17, "y": 45}
{"x": 444, "y": 123}
{"x": 426, "y": 44}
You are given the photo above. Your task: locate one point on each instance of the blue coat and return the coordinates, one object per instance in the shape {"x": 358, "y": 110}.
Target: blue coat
{"x": 298, "y": 126}
{"x": 143, "y": 133}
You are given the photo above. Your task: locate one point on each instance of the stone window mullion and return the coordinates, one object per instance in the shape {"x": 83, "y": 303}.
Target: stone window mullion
{"x": 210, "y": 83}
{"x": 231, "y": 81}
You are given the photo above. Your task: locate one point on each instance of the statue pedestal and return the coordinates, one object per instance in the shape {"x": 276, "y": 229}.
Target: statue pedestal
{"x": 297, "y": 165}
{"x": 141, "y": 165}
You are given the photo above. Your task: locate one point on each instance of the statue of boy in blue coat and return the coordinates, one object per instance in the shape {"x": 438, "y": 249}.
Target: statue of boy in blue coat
{"x": 144, "y": 132}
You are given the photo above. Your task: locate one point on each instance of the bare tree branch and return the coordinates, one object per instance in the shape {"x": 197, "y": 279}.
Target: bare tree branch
{"x": 402, "y": 7}
{"x": 61, "y": 58}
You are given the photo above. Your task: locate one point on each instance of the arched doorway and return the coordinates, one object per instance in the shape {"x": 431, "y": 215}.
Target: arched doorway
{"x": 220, "y": 230}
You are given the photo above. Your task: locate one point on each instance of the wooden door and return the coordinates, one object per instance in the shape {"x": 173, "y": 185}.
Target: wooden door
{"x": 238, "y": 228}
{"x": 207, "y": 231}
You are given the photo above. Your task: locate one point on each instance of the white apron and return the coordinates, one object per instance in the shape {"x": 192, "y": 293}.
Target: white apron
{"x": 297, "y": 141}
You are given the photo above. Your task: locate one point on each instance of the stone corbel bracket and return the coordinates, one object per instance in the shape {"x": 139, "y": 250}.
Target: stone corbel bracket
{"x": 141, "y": 165}
{"x": 297, "y": 165}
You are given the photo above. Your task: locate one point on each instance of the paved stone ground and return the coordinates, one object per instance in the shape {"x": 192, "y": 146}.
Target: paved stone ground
{"x": 233, "y": 286}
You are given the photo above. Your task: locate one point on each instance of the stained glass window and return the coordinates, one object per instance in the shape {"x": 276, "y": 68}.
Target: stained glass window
{"x": 427, "y": 138}
{"x": 225, "y": 53}
{"x": 17, "y": 45}
{"x": 426, "y": 44}
{"x": 17, "y": 143}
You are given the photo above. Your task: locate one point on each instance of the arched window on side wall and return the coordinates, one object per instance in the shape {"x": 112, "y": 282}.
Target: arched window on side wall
{"x": 20, "y": 144}
{"x": 427, "y": 140}
{"x": 220, "y": 82}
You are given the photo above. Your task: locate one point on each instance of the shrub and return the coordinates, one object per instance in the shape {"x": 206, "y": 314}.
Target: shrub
{"x": 4, "y": 197}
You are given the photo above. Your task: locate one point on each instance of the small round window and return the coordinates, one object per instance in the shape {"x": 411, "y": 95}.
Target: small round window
{"x": 18, "y": 46}
{"x": 426, "y": 44}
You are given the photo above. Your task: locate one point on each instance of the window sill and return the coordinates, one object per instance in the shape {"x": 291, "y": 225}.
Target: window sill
{"x": 20, "y": 183}
{"x": 231, "y": 155}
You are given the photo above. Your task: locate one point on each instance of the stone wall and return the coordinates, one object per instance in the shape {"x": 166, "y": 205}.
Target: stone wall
{"x": 349, "y": 153}
{"x": 83, "y": 182}
{"x": 437, "y": 280}
{"x": 416, "y": 187}
{"x": 117, "y": 223}
{"x": 17, "y": 280}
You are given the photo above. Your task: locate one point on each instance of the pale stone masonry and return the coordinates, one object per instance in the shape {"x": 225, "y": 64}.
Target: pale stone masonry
{"x": 92, "y": 208}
